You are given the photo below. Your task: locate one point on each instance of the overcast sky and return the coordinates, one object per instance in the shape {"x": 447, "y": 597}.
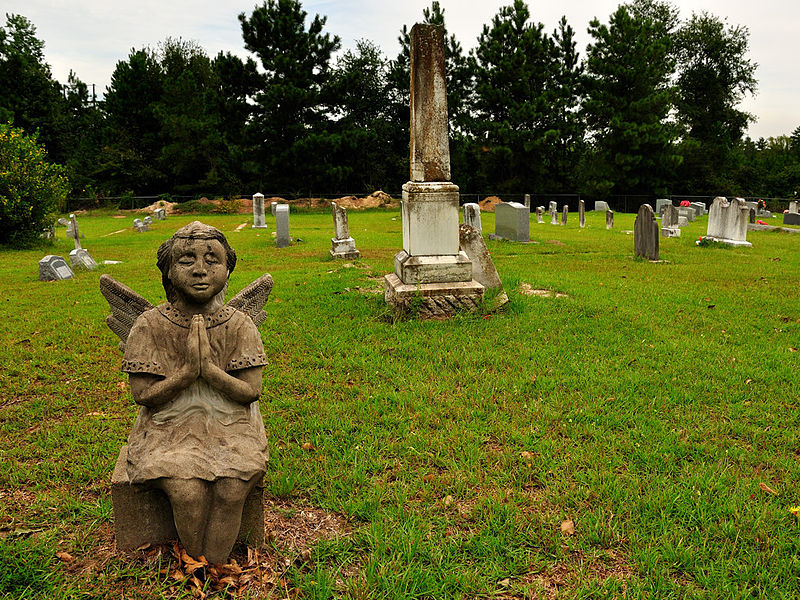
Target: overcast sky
{"x": 90, "y": 36}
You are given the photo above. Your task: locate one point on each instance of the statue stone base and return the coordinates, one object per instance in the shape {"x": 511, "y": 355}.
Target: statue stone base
{"x": 142, "y": 513}
{"x": 432, "y": 299}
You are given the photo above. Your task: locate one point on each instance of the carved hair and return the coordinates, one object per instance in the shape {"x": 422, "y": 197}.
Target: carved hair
{"x": 193, "y": 231}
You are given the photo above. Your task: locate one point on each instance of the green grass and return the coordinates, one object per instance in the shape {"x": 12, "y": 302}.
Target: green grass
{"x": 647, "y": 407}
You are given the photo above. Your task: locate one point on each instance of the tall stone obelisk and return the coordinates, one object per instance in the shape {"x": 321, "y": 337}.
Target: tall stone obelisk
{"x": 430, "y": 271}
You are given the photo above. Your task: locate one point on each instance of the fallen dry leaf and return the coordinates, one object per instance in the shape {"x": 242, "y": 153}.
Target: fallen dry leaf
{"x": 527, "y": 455}
{"x": 765, "y": 488}
{"x": 504, "y": 582}
{"x": 308, "y": 446}
{"x": 64, "y": 556}
{"x": 792, "y": 349}
{"x": 568, "y": 527}
{"x": 748, "y": 381}
{"x": 448, "y": 500}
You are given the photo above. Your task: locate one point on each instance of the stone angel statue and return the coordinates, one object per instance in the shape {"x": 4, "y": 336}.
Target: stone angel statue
{"x": 194, "y": 365}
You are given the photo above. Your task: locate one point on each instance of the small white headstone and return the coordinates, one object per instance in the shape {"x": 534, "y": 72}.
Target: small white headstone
{"x": 512, "y": 222}
{"x": 472, "y": 215}
{"x": 258, "y": 212}
{"x": 282, "y": 225}
{"x": 54, "y": 268}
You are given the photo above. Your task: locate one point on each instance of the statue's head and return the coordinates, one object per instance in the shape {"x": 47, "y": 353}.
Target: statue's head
{"x": 170, "y": 252}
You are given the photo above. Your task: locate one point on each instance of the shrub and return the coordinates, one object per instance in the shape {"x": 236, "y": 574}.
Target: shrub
{"x": 228, "y": 206}
{"x": 31, "y": 188}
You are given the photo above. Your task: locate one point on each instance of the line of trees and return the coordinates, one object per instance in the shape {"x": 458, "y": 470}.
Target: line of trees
{"x": 651, "y": 108}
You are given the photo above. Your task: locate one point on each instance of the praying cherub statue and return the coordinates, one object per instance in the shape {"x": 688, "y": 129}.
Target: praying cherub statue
{"x": 194, "y": 365}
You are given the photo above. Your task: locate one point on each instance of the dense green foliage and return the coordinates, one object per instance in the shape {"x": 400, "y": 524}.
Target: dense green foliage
{"x": 650, "y": 108}
{"x": 31, "y": 187}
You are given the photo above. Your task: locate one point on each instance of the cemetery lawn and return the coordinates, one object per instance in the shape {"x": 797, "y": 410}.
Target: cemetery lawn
{"x": 655, "y": 407}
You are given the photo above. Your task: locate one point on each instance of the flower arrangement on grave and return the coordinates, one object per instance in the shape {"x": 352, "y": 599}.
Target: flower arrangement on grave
{"x": 685, "y": 203}
{"x": 762, "y": 205}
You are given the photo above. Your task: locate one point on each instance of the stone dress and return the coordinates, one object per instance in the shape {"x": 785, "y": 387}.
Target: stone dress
{"x": 200, "y": 433}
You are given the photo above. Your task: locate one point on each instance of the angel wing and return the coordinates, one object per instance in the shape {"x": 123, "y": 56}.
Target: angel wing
{"x": 251, "y": 300}
{"x": 126, "y": 306}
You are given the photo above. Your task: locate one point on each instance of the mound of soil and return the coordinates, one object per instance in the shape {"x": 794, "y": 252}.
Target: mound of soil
{"x": 488, "y": 204}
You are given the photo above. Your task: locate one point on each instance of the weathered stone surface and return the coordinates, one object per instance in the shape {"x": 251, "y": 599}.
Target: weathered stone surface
{"x": 432, "y": 268}
{"x": 564, "y": 213}
{"x": 645, "y": 233}
{"x": 512, "y": 222}
{"x": 553, "y": 211}
{"x": 599, "y": 205}
{"x": 670, "y": 216}
{"x": 793, "y": 206}
{"x": 194, "y": 366}
{"x": 699, "y": 208}
{"x": 282, "y": 225}
{"x": 430, "y": 152}
{"x": 140, "y": 225}
{"x": 54, "y": 268}
{"x": 342, "y": 245}
{"x": 259, "y": 221}
{"x": 76, "y": 236}
{"x": 582, "y": 213}
{"x": 682, "y": 221}
{"x": 791, "y": 218}
{"x": 661, "y": 203}
{"x": 148, "y": 220}
{"x": 727, "y": 221}
{"x": 686, "y": 211}
{"x": 79, "y": 258}
{"x": 540, "y": 214}
{"x": 430, "y": 218}
{"x": 527, "y": 201}
{"x": 160, "y": 214}
{"x": 272, "y": 207}
{"x": 670, "y": 232}
{"x": 751, "y": 215}
{"x": 143, "y": 514}
{"x": 472, "y": 216}
{"x": 432, "y": 300}
{"x": 609, "y": 219}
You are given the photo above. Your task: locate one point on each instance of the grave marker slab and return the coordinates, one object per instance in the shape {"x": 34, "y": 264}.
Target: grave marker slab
{"x": 564, "y": 213}
{"x": 160, "y": 214}
{"x": 527, "y": 202}
{"x": 600, "y": 206}
{"x": 54, "y": 268}
{"x": 609, "y": 218}
{"x": 282, "y": 225}
{"x": 512, "y": 222}
{"x": 645, "y": 233}
{"x": 699, "y": 208}
{"x": 582, "y": 213}
{"x": 661, "y": 203}
{"x": 258, "y": 211}
{"x": 79, "y": 258}
{"x": 727, "y": 221}
{"x": 553, "y": 210}
{"x": 540, "y": 214}
{"x": 472, "y": 216}
{"x": 342, "y": 244}
{"x": 669, "y": 222}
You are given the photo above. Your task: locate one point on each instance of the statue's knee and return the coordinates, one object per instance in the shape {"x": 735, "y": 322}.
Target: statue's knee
{"x": 230, "y": 492}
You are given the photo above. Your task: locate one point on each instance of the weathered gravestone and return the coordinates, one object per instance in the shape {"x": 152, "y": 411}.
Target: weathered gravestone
{"x": 540, "y": 214}
{"x": 197, "y": 452}
{"x": 79, "y": 258}
{"x": 600, "y": 206}
{"x": 527, "y": 202}
{"x": 472, "y": 216}
{"x": 342, "y": 245}
{"x": 645, "y": 233}
{"x": 727, "y": 222}
{"x": 148, "y": 221}
{"x": 686, "y": 211}
{"x": 73, "y": 232}
{"x": 430, "y": 272}
{"x": 511, "y": 222}
{"x": 160, "y": 214}
{"x": 609, "y": 219}
{"x": 140, "y": 226}
{"x": 272, "y": 207}
{"x": 792, "y": 217}
{"x": 582, "y": 213}
{"x": 661, "y": 203}
{"x": 699, "y": 208}
{"x": 54, "y": 268}
{"x": 258, "y": 211}
{"x": 564, "y": 213}
{"x": 483, "y": 269}
{"x": 553, "y": 210}
{"x": 751, "y": 215}
{"x": 282, "y": 239}
{"x": 669, "y": 222}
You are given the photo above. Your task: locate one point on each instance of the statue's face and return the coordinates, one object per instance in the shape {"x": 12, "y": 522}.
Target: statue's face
{"x": 198, "y": 271}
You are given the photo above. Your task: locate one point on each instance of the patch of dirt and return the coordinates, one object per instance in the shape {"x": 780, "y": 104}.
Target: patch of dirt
{"x": 611, "y": 565}
{"x": 488, "y": 204}
{"x": 527, "y": 290}
{"x": 555, "y": 242}
{"x": 295, "y": 527}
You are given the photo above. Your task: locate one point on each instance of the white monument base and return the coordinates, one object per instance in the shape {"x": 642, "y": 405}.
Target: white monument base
{"x": 344, "y": 248}
{"x": 725, "y": 241}
{"x": 451, "y": 268}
